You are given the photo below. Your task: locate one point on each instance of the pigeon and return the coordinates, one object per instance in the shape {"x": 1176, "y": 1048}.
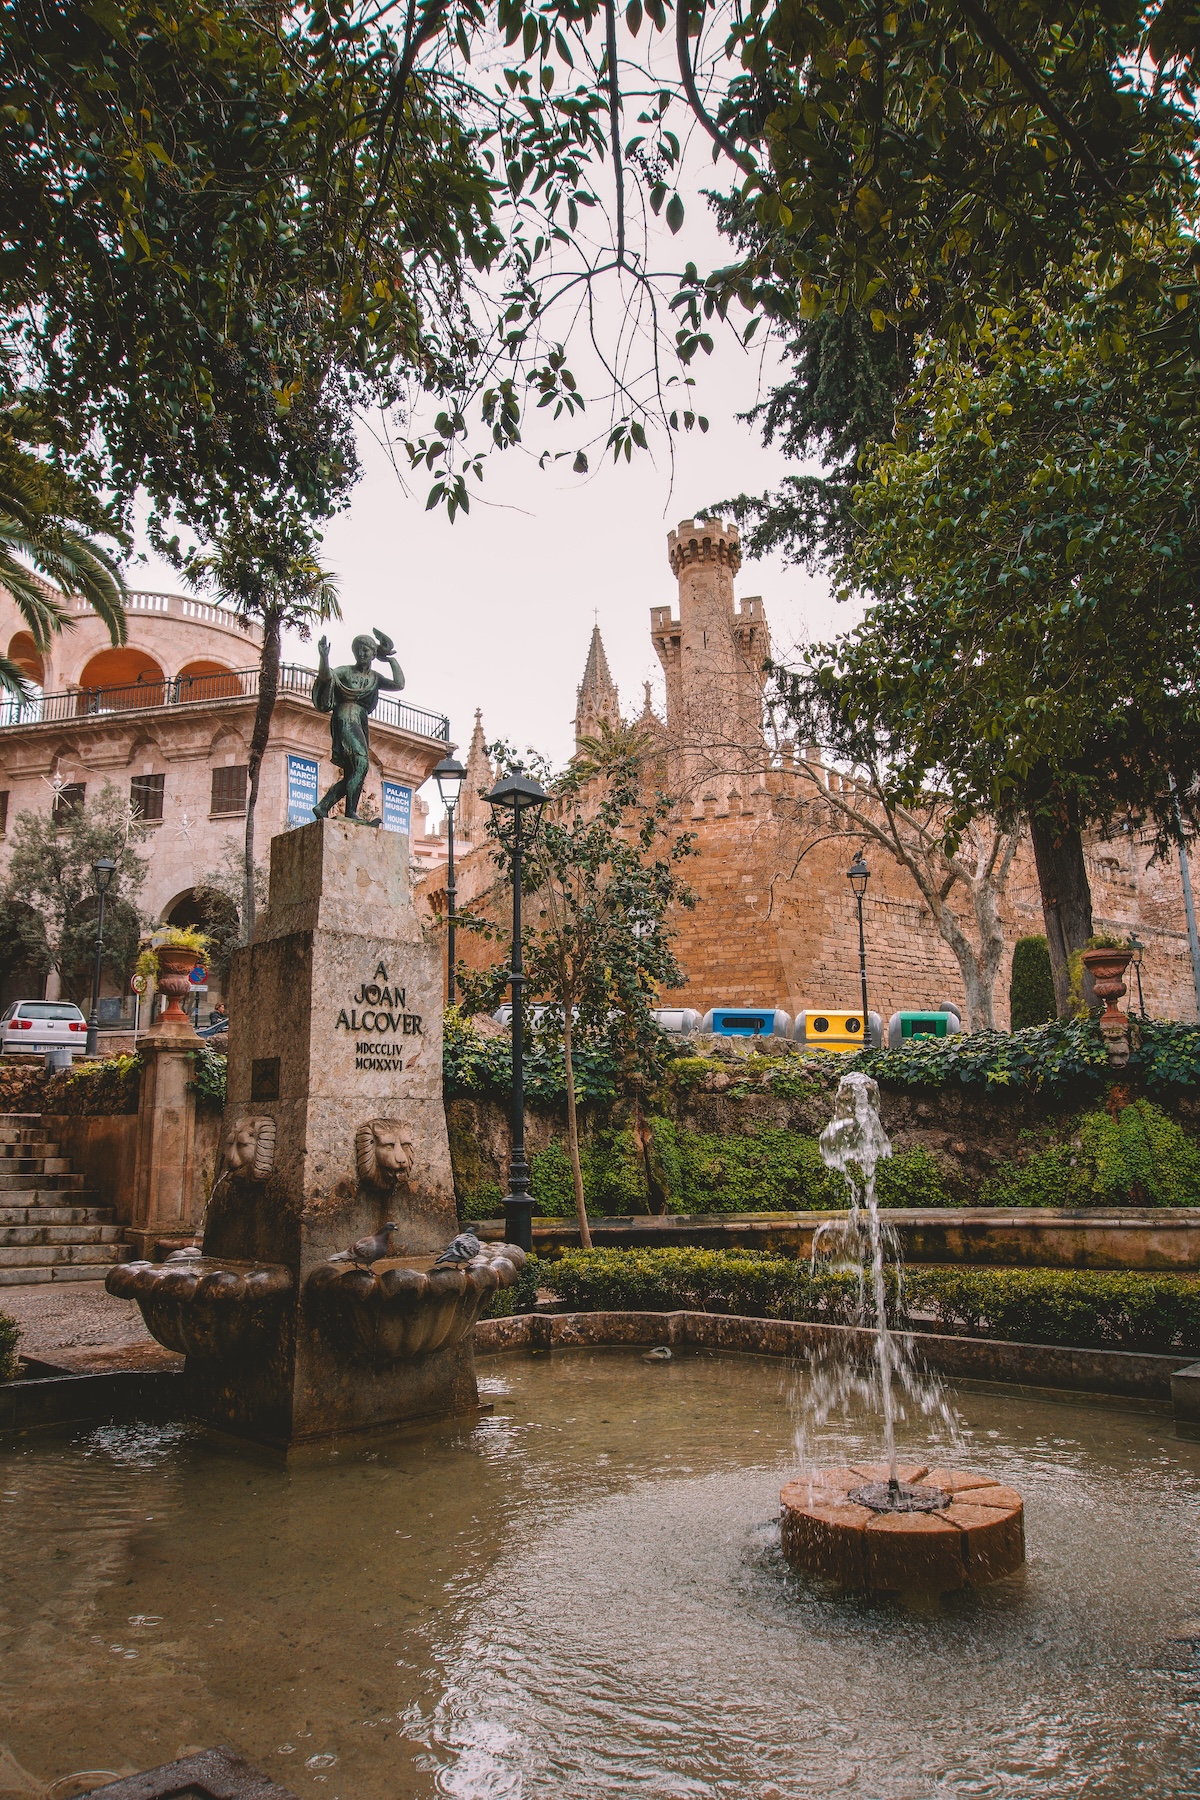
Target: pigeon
{"x": 464, "y": 1249}
{"x": 368, "y": 1250}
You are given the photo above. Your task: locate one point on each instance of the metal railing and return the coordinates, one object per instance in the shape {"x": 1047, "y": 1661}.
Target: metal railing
{"x": 195, "y": 690}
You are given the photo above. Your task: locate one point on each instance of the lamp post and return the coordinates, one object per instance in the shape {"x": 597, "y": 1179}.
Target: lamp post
{"x": 1139, "y": 950}
{"x": 858, "y": 876}
{"x": 518, "y": 795}
{"x": 104, "y": 870}
{"x": 450, "y": 776}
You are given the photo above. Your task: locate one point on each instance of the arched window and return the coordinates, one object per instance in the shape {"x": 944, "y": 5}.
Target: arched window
{"x": 24, "y": 652}
{"x": 117, "y": 679}
{"x": 203, "y": 679}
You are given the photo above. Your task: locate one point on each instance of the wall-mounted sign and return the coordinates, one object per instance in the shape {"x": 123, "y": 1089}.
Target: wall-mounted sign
{"x": 397, "y": 807}
{"x": 302, "y": 773}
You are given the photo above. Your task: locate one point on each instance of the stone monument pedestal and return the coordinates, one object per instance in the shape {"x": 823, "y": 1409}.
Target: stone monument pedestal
{"x": 334, "y": 1127}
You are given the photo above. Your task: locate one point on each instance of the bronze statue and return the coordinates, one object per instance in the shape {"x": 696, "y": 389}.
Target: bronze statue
{"x": 350, "y": 694}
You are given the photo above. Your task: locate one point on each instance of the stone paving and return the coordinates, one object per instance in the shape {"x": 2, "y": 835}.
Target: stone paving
{"x": 78, "y": 1325}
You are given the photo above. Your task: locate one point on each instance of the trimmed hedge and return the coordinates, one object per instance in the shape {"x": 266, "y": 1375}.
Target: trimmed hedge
{"x": 1031, "y": 985}
{"x": 1090, "y": 1309}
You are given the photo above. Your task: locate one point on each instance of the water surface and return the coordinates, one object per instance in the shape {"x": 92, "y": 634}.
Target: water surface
{"x": 583, "y": 1595}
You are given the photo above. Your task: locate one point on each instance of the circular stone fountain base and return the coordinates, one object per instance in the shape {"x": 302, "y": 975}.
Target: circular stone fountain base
{"x": 957, "y": 1529}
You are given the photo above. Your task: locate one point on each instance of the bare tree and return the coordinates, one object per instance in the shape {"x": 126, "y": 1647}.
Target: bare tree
{"x": 963, "y": 888}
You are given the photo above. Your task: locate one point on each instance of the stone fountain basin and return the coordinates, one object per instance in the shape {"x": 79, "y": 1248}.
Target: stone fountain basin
{"x": 208, "y": 1307}
{"x": 402, "y": 1309}
{"x": 977, "y": 1536}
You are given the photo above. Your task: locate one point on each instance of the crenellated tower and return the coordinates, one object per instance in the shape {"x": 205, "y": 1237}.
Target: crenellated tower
{"x": 712, "y": 657}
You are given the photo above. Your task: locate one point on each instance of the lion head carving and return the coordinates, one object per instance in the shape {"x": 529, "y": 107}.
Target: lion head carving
{"x": 250, "y": 1148}
{"x": 384, "y": 1152}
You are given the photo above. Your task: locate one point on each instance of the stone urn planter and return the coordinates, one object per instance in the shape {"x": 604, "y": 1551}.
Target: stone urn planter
{"x": 208, "y": 1307}
{"x": 1107, "y": 967}
{"x": 175, "y": 964}
{"x": 391, "y": 1314}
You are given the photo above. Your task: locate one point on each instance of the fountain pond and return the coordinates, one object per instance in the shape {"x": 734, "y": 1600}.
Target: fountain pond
{"x": 584, "y": 1593}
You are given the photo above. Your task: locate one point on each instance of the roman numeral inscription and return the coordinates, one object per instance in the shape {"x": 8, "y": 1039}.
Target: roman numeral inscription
{"x": 380, "y": 1006}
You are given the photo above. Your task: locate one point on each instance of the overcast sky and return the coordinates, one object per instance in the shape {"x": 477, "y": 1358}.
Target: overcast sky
{"x": 496, "y": 610}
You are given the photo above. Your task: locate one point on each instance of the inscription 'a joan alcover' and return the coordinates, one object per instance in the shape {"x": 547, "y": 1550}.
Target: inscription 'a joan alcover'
{"x": 379, "y": 1006}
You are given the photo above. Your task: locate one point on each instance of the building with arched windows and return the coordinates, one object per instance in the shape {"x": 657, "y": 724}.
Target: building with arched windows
{"x": 166, "y": 720}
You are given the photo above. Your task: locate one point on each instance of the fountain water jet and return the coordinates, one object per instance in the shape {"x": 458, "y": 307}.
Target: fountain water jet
{"x": 890, "y": 1525}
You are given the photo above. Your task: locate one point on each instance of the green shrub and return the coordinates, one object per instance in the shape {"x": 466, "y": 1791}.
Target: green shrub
{"x": 614, "y": 1177}
{"x": 1091, "y": 1309}
{"x": 474, "y": 1065}
{"x": 722, "y": 1281}
{"x": 770, "y": 1170}
{"x": 1031, "y": 987}
{"x": 1137, "y": 1156}
{"x": 773, "y": 1170}
{"x": 1050, "y": 1059}
{"x": 107, "y": 1086}
{"x": 1168, "y": 1055}
{"x": 521, "y": 1297}
{"x": 1047, "y": 1179}
{"x": 10, "y": 1337}
{"x": 209, "y": 1072}
{"x": 481, "y": 1202}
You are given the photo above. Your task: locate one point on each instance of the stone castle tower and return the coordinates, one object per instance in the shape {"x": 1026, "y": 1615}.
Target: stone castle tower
{"x": 712, "y": 656}
{"x": 776, "y": 920}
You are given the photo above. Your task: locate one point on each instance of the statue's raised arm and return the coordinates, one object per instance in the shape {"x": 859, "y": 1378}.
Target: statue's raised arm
{"x": 322, "y": 692}
{"x": 386, "y": 647}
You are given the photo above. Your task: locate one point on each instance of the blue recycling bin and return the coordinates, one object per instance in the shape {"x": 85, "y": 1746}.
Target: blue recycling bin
{"x": 747, "y": 1021}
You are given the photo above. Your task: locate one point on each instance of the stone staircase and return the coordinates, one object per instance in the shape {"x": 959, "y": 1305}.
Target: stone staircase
{"x": 50, "y": 1230}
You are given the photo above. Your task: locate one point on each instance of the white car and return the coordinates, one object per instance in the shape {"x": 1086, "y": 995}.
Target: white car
{"x": 31, "y": 1025}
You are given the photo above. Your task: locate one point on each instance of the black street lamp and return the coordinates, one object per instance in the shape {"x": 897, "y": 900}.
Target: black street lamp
{"x": 858, "y": 876}
{"x": 450, "y": 776}
{"x": 518, "y": 795}
{"x": 104, "y": 870}
{"x": 1139, "y": 950}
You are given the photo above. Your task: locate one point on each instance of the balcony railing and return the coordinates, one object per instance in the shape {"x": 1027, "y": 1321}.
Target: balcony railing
{"x": 199, "y": 690}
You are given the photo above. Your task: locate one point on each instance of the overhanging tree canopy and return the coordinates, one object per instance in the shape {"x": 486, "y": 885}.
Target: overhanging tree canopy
{"x": 1030, "y": 539}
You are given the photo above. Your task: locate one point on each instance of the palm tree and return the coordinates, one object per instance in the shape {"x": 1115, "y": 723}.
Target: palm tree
{"x": 45, "y": 521}
{"x": 267, "y": 571}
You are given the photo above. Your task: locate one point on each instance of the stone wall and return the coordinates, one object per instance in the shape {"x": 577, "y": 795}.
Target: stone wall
{"x": 969, "y": 1134}
{"x": 104, "y": 1149}
{"x": 768, "y": 930}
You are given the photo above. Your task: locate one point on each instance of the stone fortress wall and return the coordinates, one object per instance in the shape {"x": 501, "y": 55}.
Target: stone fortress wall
{"x": 776, "y": 922}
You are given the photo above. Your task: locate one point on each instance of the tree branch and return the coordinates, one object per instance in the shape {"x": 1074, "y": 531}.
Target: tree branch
{"x": 614, "y": 120}
{"x": 1025, "y": 73}
{"x": 687, "y": 76}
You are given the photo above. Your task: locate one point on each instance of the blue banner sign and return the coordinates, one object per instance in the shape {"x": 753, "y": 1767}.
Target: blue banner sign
{"x": 397, "y": 807}
{"x": 302, "y": 790}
